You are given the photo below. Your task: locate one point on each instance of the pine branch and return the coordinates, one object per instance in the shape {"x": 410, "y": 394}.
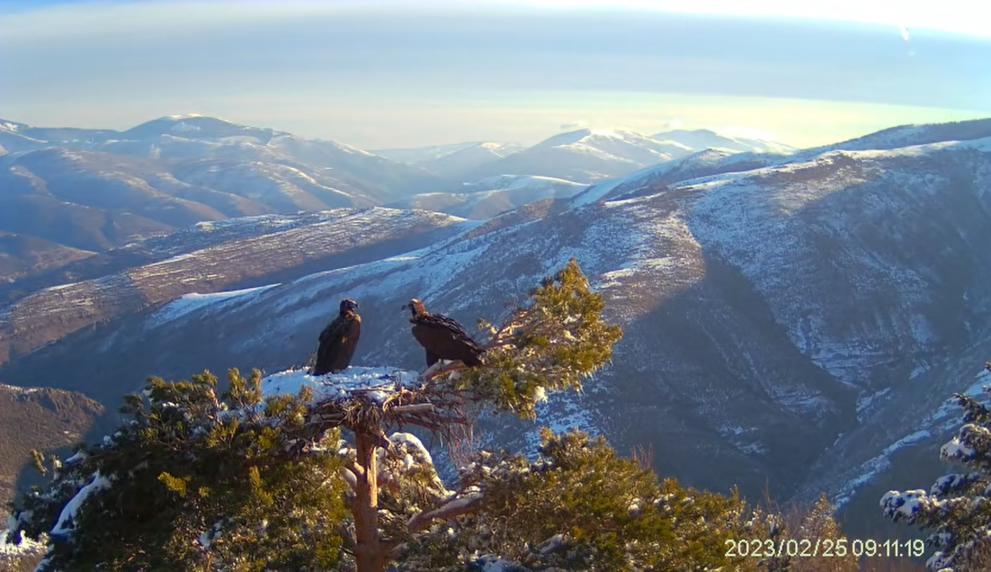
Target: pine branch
{"x": 451, "y": 509}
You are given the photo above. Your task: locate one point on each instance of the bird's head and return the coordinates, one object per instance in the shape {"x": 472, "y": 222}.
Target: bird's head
{"x": 415, "y": 307}
{"x": 348, "y": 305}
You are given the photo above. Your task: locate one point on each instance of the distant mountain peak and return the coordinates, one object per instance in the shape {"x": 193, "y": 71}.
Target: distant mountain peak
{"x": 581, "y": 135}
{"x": 196, "y": 117}
{"x": 699, "y": 139}
{"x": 590, "y": 155}
{"x": 198, "y": 127}
{"x": 11, "y": 126}
{"x": 913, "y": 134}
{"x": 566, "y": 138}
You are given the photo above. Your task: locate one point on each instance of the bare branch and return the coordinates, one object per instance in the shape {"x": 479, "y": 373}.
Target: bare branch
{"x": 445, "y": 369}
{"x": 350, "y": 478}
{"x": 355, "y": 469}
{"x": 451, "y": 509}
{"x": 379, "y": 438}
{"x": 415, "y": 408}
{"x": 432, "y": 370}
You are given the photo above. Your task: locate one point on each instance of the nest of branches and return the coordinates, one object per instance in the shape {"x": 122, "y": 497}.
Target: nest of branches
{"x": 393, "y": 405}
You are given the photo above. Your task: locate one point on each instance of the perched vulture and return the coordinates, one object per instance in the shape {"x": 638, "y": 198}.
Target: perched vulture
{"x": 442, "y": 337}
{"x": 338, "y": 340}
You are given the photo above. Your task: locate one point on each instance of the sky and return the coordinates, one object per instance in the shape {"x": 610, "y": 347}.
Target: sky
{"x": 388, "y": 73}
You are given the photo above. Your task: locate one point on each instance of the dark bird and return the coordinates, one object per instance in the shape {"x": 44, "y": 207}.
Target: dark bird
{"x": 442, "y": 337}
{"x": 338, "y": 340}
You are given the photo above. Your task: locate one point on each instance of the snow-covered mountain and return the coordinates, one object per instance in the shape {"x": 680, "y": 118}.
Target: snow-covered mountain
{"x": 584, "y": 156}
{"x": 796, "y": 320}
{"x": 587, "y": 155}
{"x": 907, "y": 135}
{"x": 196, "y": 126}
{"x": 702, "y": 139}
{"x": 66, "y": 192}
{"x": 255, "y": 251}
{"x": 177, "y": 138}
{"x": 493, "y": 195}
{"x": 787, "y": 320}
{"x": 69, "y": 192}
{"x": 21, "y": 136}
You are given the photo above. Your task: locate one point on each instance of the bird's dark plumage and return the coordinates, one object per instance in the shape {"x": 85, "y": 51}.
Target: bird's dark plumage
{"x": 338, "y": 340}
{"x": 442, "y": 337}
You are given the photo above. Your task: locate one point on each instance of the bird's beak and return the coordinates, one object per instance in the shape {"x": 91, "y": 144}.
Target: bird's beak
{"x": 404, "y": 308}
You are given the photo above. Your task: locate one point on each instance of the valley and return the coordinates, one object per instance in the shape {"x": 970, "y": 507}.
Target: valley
{"x": 798, "y": 317}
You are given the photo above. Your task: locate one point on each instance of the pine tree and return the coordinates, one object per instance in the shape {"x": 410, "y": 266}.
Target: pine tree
{"x": 955, "y": 510}
{"x": 553, "y": 343}
{"x": 800, "y": 529}
{"x": 581, "y": 507}
{"x": 235, "y": 481}
{"x": 193, "y": 480}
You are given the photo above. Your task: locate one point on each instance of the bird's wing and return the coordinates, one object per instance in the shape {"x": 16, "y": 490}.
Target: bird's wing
{"x": 457, "y": 330}
{"x": 334, "y": 330}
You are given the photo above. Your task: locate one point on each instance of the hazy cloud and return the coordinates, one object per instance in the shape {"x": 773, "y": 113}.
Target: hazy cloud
{"x": 383, "y": 73}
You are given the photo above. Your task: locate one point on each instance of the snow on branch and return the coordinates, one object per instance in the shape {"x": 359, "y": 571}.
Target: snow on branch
{"x": 66, "y": 520}
{"x": 955, "y": 508}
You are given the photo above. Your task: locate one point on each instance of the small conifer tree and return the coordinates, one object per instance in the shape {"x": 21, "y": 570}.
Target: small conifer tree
{"x": 955, "y": 509}
{"x": 795, "y": 534}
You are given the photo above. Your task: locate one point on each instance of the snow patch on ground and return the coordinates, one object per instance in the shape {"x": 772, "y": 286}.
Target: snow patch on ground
{"x": 430, "y": 269}
{"x": 875, "y": 466}
{"x": 523, "y": 182}
{"x": 61, "y": 286}
{"x": 172, "y": 260}
{"x": 866, "y": 402}
{"x": 596, "y": 192}
{"x": 195, "y": 301}
{"x": 18, "y": 389}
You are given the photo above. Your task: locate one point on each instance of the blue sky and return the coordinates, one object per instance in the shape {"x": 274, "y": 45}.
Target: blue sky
{"x": 385, "y": 74}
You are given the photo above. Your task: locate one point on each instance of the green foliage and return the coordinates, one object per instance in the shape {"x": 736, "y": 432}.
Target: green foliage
{"x": 805, "y": 524}
{"x": 580, "y": 506}
{"x": 819, "y": 524}
{"x": 955, "y": 509}
{"x": 552, "y": 344}
{"x": 198, "y": 482}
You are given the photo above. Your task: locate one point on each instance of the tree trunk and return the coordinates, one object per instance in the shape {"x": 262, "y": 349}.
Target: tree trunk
{"x": 369, "y": 553}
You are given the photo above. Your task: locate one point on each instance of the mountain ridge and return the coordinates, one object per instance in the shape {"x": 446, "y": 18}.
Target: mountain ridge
{"x": 779, "y": 319}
